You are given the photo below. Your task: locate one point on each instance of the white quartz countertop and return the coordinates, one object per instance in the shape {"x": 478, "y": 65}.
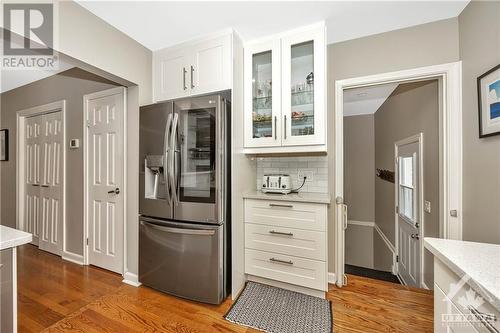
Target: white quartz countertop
{"x": 479, "y": 261}
{"x": 322, "y": 198}
{"x": 10, "y": 237}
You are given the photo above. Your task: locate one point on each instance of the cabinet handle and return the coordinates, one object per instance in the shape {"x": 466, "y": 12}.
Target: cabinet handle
{"x": 289, "y": 262}
{"x": 280, "y": 233}
{"x": 192, "y": 77}
{"x": 484, "y": 318}
{"x": 280, "y": 205}
{"x": 285, "y": 127}
{"x": 184, "y": 71}
{"x": 275, "y": 128}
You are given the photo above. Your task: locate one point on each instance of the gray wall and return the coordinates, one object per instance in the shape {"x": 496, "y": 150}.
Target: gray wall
{"x": 411, "y": 109}
{"x": 479, "y": 52}
{"x": 70, "y": 85}
{"x": 359, "y": 245}
{"x": 424, "y": 45}
{"x": 359, "y": 167}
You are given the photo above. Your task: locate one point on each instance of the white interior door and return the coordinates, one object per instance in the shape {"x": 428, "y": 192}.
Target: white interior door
{"x": 105, "y": 173}
{"x": 408, "y": 212}
{"x": 32, "y": 173}
{"x": 51, "y": 185}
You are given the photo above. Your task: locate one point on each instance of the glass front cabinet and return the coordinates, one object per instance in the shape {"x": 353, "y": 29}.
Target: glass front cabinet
{"x": 285, "y": 93}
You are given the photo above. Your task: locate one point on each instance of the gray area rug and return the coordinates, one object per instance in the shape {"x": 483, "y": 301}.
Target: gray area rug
{"x": 277, "y": 310}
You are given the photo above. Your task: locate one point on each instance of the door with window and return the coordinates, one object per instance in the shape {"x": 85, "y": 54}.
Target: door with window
{"x": 408, "y": 210}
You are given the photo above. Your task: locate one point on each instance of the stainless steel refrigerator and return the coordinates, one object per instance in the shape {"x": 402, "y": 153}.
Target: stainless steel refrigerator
{"x": 184, "y": 201}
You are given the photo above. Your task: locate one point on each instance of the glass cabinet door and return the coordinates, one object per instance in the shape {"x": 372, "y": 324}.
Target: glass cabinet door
{"x": 262, "y": 95}
{"x": 304, "y": 88}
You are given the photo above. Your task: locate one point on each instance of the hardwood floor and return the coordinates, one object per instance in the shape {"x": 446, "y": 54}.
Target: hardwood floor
{"x": 58, "y": 296}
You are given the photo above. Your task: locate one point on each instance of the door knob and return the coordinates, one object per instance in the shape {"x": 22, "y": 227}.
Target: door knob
{"x": 115, "y": 191}
{"x": 415, "y": 236}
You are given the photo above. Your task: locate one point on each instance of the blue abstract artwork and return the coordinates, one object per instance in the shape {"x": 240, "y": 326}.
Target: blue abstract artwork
{"x": 494, "y": 99}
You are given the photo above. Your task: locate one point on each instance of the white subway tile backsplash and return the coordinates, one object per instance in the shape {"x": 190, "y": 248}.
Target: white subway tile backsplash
{"x": 318, "y": 165}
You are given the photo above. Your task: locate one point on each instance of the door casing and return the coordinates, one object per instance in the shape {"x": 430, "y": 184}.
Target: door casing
{"x": 59, "y": 106}
{"x": 123, "y": 189}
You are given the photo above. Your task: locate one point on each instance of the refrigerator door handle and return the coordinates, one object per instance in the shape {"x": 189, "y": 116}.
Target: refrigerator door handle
{"x": 171, "y": 230}
{"x": 166, "y": 155}
{"x": 172, "y": 169}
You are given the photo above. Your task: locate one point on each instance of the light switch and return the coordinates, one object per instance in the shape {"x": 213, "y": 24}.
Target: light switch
{"x": 427, "y": 206}
{"x": 74, "y": 144}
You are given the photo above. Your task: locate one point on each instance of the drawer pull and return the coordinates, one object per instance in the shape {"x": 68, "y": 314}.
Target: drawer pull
{"x": 280, "y": 205}
{"x": 280, "y": 233}
{"x": 289, "y": 262}
{"x": 484, "y": 318}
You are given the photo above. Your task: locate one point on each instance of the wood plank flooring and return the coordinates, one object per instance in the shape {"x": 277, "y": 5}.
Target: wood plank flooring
{"x": 58, "y": 296}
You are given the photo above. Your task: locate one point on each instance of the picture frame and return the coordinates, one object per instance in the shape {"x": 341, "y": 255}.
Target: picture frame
{"x": 4, "y": 145}
{"x": 488, "y": 90}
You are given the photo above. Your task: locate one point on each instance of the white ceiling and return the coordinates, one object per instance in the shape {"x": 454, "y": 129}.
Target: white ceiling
{"x": 366, "y": 100}
{"x": 158, "y": 24}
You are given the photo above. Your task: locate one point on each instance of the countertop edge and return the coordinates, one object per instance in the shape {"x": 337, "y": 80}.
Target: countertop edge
{"x": 477, "y": 286}
{"x": 17, "y": 238}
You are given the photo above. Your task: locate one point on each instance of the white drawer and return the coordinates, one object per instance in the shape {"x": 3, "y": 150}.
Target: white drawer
{"x": 289, "y": 269}
{"x": 298, "y": 215}
{"x": 294, "y": 242}
{"x": 445, "y": 279}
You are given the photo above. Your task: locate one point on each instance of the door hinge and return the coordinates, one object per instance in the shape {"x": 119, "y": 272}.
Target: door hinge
{"x": 87, "y": 241}
{"x": 345, "y": 280}
{"x": 88, "y": 123}
{"x": 397, "y": 258}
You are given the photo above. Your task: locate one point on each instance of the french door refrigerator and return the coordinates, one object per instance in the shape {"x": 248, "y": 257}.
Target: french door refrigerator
{"x": 184, "y": 227}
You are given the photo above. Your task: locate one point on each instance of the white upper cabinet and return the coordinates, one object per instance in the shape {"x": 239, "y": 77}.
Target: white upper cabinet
{"x": 193, "y": 68}
{"x": 285, "y": 93}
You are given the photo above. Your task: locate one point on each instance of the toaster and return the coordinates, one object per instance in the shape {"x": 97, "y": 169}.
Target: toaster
{"x": 277, "y": 183}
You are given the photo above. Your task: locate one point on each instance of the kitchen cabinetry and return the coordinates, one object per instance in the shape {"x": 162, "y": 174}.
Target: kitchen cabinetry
{"x": 193, "y": 68}
{"x": 285, "y": 242}
{"x": 285, "y": 93}
{"x": 6, "y": 292}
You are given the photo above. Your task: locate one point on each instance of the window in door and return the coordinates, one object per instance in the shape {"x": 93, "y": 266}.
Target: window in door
{"x": 302, "y": 88}
{"x": 262, "y": 90}
{"x": 407, "y": 197}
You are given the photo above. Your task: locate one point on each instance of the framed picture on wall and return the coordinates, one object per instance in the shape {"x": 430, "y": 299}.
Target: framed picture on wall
{"x": 4, "y": 145}
{"x": 488, "y": 89}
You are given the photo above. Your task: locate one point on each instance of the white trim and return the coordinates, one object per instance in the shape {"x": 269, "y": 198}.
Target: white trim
{"x": 86, "y": 98}
{"x": 131, "y": 279}
{"x": 73, "y": 257}
{"x": 450, "y": 80}
{"x": 418, "y": 138}
{"x": 385, "y": 239}
{"x": 424, "y": 285}
{"x": 58, "y": 106}
{"x": 332, "y": 278}
{"x": 361, "y": 223}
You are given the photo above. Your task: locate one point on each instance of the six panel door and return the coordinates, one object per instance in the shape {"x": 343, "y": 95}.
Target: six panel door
{"x": 105, "y": 162}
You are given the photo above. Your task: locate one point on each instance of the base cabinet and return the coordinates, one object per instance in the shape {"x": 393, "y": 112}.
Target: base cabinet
{"x": 6, "y": 292}
{"x": 285, "y": 242}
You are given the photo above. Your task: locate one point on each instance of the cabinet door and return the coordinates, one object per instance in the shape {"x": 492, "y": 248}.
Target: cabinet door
{"x": 210, "y": 67}
{"x": 304, "y": 88}
{"x": 262, "y": 95}
{"x": 170, "y": 74}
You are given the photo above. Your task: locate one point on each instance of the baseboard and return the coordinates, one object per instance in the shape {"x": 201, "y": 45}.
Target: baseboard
{"x": 332, "y": 278}
{"x": 424, "y": 285}
{"x": 369, "y": 224}
{"x": 131, "y": 279}
{"x": 72, "y": 257}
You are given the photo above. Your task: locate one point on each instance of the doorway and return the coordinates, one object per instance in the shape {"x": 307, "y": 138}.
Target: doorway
{"x": 104, "y": 184}
{"x": 450, "y": 143}
{"x": 41, "y": 174}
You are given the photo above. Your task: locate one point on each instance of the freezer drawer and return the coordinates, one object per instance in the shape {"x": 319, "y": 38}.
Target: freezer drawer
{"x": 182, "y": 259}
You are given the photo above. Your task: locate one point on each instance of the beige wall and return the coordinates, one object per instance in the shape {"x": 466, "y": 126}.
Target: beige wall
{"x": 424, "y": 45}
{"x": 359, "y": 167}
{"x": 71, "y": 86}
{"x": 479, "y": 52}
{"x": 411, "y": 109}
